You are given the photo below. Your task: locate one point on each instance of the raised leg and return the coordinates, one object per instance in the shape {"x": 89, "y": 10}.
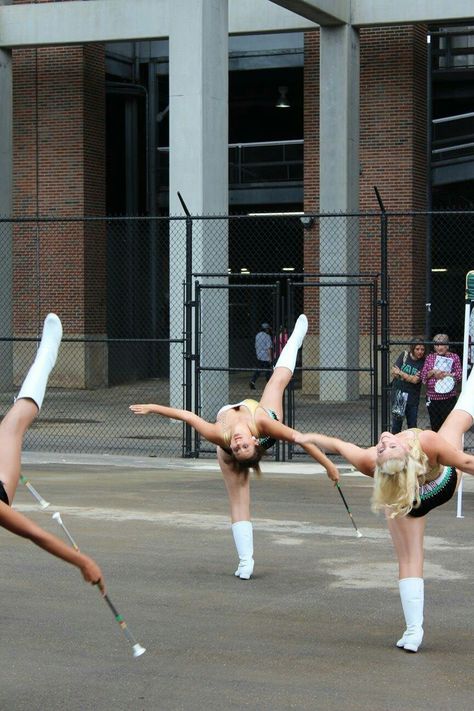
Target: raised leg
{"x": 12, "y": 430}
{"x": 456, "y": 424}
{"x": 272, "y": 396}
{"x": 27, "y": 405}
{"x": 289, "y": 353}
{"x": 34, "y": 385}
{"x": 460, "y": 419}
{"x": 465, "y": 400}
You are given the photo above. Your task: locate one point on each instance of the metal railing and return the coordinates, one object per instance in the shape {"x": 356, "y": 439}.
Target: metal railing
{"x": 453, "y": 138}
{"x": 253, "y": 163}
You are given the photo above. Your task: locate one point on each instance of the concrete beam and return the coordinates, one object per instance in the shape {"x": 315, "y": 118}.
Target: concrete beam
{"x": 248, "y": 17}
{"x": 78, "y": 22}
{"x": 324, "y": 12}
{"x": 376, "y": 12}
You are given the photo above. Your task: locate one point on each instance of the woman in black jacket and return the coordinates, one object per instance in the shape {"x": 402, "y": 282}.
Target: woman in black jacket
{"x": 407, "y": 381}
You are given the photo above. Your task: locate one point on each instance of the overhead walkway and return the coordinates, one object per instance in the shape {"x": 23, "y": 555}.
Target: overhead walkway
{"x": 452, "y": 154}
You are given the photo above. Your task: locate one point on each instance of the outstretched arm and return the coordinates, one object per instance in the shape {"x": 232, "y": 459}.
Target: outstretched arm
{"x": 460, "y": 460}
{"x": 16, "y": 523}
{"x": 321, "y": 458}
{"x": 362, "y": 459}
{"x": 280, "y": 431}
{"x": 438, "y": 449}
{"x": 209, "y": 430}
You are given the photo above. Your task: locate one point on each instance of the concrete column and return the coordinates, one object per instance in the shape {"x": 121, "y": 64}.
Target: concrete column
{"x": 339, "y": 192}
{"x": 6, "y": 141}
{"x": 199, "y": 171}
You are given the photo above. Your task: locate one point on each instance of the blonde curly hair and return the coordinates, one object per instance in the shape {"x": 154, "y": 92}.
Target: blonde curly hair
{"x": 397, "y": 482}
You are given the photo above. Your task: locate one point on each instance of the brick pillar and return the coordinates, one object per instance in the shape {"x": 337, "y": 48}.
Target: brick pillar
{"x": 59, "y": 171}
{"x": 311, "y": 196}
{"x": 393, "y": 157}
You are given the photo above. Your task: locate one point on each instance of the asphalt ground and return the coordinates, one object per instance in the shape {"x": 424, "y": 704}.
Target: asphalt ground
{"x": 314, "y": 629}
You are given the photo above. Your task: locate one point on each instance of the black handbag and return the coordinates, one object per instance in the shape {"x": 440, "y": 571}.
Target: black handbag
{"x": 399, "y": 403}
{"x": 399, "y": 398}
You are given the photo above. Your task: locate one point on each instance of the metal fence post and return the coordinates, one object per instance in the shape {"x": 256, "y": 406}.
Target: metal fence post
{"x": 429, "y": 189}
{"x": 375, "y": 419}
{"x": 384, "y": 296}
{"x": 188, "y": 325}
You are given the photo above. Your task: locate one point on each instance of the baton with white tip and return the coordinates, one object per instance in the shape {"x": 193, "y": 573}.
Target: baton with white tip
{"x": 42, "y": 502}
{"x": 358, "y": 533}
{"x": 138, "y": 650}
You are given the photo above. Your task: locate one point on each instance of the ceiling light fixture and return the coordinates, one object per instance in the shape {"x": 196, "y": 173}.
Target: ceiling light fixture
{"x": 275, "y": 214}
{"x": 282, "y": 102}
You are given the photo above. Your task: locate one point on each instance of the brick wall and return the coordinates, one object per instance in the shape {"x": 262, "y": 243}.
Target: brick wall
{"x": 59, "y": 171}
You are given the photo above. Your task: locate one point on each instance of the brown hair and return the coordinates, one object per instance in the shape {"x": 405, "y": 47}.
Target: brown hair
{"x": 417, "y": 341}
{"x": 244, "y": 466}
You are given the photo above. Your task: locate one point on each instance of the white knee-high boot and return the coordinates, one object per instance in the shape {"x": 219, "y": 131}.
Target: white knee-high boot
{"x": 34, "y": 385}
{"x": 289, "y": 353}
{"x": 412, "y": 597}
{"x": 466, "y": 398}
{"x": 243, "y": 539}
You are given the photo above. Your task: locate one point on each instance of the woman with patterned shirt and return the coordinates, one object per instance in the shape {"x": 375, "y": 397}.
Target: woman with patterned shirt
{"x": 242, "y": 433}
{"x": 441, "y": 371}
{"x": 414, "y": 472}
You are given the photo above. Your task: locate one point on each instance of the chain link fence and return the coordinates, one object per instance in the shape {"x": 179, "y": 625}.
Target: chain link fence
{"x": 166, "y": 310}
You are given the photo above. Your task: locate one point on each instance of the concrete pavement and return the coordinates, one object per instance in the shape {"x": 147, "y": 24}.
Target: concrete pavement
{"x": 314, "y": 630}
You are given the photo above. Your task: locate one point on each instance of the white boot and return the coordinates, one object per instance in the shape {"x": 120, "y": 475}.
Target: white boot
{"x": 412, "y": 597}
{"x": 465, "y": 400}
{"x": 243, "y": 538}
{"x": 34, "y": 385}
{"x": 289, "y": 353}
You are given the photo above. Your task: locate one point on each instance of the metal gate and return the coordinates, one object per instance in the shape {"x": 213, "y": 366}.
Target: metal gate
{"x": 335, "y": 386}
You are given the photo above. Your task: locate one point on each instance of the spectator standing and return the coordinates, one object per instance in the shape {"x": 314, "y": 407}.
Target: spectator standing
{"x": 406, "y": 372}
{"x": 441, "y": 371}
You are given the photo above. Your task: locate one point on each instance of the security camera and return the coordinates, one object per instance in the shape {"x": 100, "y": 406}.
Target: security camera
{"x": 307, "y": 221}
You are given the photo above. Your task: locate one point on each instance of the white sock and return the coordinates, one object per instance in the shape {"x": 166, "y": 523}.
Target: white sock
{"x": 243, "y": 539}
{"x": 412, "y": 597}
{"x": 34, "y": 385}
{"x": 289, "y": 353}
